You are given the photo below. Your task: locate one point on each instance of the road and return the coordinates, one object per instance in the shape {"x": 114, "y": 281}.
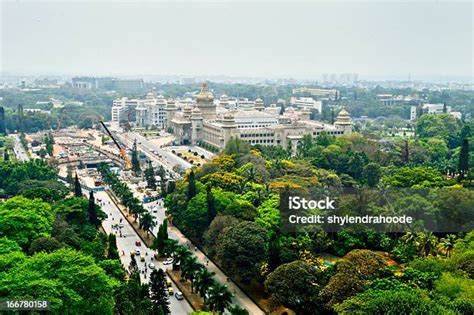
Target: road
{"x": 126, "y": 245}
{"x": 168, "y": 159}
{"x": 157, "y": 209}
{"x": 20, "y": 152}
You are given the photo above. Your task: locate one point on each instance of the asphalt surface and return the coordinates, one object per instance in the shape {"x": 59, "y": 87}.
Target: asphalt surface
{"x": 126, "y": 244}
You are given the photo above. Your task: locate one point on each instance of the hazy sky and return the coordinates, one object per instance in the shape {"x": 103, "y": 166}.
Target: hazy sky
{"x": 266, "y": 38}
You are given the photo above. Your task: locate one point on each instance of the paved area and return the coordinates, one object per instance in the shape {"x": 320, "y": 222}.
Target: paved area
{"x": 158, "y": 211}
{"x": 126, "y": 244}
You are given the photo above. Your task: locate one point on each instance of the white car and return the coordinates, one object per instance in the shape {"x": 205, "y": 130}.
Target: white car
{"x": 137, "y": 252}
{"x": 168, "y": 261}
{"x": 151, "y": 266}
{"x": 179, "y": 295}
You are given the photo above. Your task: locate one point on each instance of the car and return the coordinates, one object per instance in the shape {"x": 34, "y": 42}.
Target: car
{"x": 168, "y": 283}
{"x": 137, "y": 252}
{"x": 170, "y": 291}
{"x": 168, "y": 261}
{"x": 142, "y": 258}
{"x": 137, "y": 243}
{"x": 151, "y": 266}
{"x": 179, "y": 295}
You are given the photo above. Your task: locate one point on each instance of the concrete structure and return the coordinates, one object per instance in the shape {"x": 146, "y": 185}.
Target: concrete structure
{"x": 318, "y": 93}
{"x": 306, "y": 103}
{"x": 88, "y": 83}
{"x": 256, "y": 125}
{"x": 433, "y": 109}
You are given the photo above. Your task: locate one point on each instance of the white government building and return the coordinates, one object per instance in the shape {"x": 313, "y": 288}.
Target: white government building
{"x": 214, "y": 122}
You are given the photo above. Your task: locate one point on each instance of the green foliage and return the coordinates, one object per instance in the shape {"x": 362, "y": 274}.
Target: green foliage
{"x": 44, "y": 244}
{"x": 159, "y": 292}
{"x": 242, "y": 249}
{"x": 413, "y": 177}
{"x": 12, "y": 174}
{"x": 295, "y": 285}
{"x": 71, "y": 281}
{"x": 391, "y": 302}
{"x": 443, "y": 126}
{"x": 352, "y": 275}
{"x": 24, "y": 220}
{"x": 7, "y": 246}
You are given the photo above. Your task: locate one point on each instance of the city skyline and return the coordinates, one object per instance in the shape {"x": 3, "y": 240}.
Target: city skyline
{"x": 424, "y": 40}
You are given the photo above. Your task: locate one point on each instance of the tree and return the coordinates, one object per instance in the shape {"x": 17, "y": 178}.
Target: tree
{"x": 426, "y": 243}
{"x": 295, "y": 285}
{"x": 216, "y": 229}
{"x": 150, "y": 176}
{"x": 218, "y": 298}
{"x": 189, "y": 268}
{"x": 135, "y": 161}
{"x": 92, "y": 210}
{"x": 24, "y": 220}
{"x": 44, "y": 244}
{"x": 70, "y": 280}
{"x": 211, "y": 207}
{"x": 352, "y": 275}
{"x": 235, "y": 309}
{"x": 77, "y": 187}
{"x": 133, "y": 297}
{"x": 69, "y": 178}
{"x": 203, "y": 280}
{"x": 112, "y": 252}
{"x": 463, "y": 164}
{"x": 147, "y": 222}
{"x": 162, "y": 236}
{"x": 372, "y": 174}
{"x": 113, "y": 268}
{"x": 191, "y": 185}
{"x": 405, "y": 155}
{"x": 242, "y": 249}
{"x": 393, "y": 301}
{"x": 447, "y": 244}
{"x": 159, "y": 292}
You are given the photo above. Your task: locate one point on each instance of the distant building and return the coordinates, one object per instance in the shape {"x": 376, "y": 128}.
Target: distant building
{"x": 188, "y": 80}
{"x": 307, "y": 103}
{"x": 390, "y": 100}
{"x": 142, "y": 112}
{"x": 318, "y": 93}
{"x": 46, "y": 82}
{"x": 433, "y": 109}
{"x": 107, "y": 83}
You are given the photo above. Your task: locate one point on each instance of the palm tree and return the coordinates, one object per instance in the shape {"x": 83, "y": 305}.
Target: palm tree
{"x": 426, "y": 243}
{"x": 146, "y": 222}
{"x": 447, "y": 244}
{"x": 180, "y": 253}
{"x": 409, "y": 238}
{"x": 204, "y": 279}
{"x": 218, "y": 297}
{"x": 189, "y": 267}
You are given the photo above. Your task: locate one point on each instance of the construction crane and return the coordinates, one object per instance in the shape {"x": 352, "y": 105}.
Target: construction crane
{"x": 122, "y": 150}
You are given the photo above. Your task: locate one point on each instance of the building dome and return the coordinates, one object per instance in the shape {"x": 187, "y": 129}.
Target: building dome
{"x": 205, "y": 95}
{"x": 343, "y": 118}
{"x": 228, "y": 116}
